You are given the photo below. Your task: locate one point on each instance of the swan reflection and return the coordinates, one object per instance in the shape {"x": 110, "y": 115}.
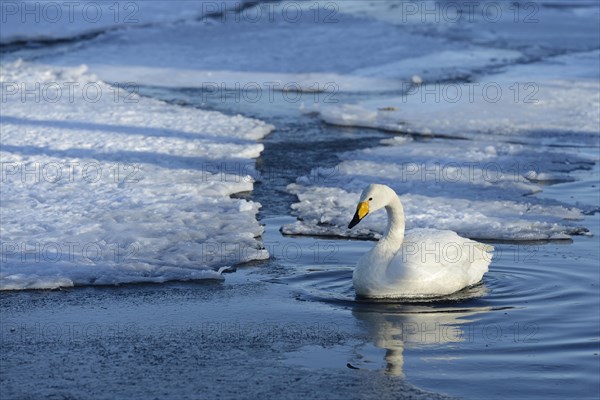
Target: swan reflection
{"x": 394, "y": 327}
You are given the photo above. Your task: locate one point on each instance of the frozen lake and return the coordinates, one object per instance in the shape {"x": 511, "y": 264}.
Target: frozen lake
{"x": 272, "y": 119}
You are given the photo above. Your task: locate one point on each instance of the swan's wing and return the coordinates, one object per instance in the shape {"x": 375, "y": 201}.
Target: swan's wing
{"x": 438, "y": 262}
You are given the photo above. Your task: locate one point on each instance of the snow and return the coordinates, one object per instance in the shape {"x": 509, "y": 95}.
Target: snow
{"x": 261, "y": 83}
{"x": 385, "y": 77}
{"x": 117, "y": 188}
{"x": 449, "y": 64}
{"x": 475, "y": 188}
{"x": 256, "y": 62}
{"x": 535, "y": 28}
{"x": 123, "y": 188}
{"x": 471, "y": 167}
{"x": 481, "y": 190}
{"x": 326, "y": 211}
{"x": 560, "y": 96}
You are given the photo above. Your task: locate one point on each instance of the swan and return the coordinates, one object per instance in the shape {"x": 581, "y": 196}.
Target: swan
{"x": 424, "y": 263}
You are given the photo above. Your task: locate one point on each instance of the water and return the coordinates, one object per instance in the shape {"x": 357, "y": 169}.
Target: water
{"x": 533, "y": 321}
{"x": 529, "y": 330}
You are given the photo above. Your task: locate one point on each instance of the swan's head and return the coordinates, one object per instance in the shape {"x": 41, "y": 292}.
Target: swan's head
{"x": 373, "y": 198}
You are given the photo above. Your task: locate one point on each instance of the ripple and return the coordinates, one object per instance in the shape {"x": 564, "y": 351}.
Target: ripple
{"x": 507, "y": 285}
{"x": 527, "y": 284}
{"x": 334, "y": 286}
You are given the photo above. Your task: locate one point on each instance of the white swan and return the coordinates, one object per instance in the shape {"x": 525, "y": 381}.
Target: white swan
{"x": 424, "y": 263}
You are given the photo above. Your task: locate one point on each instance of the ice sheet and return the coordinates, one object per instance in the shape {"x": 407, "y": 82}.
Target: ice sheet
{"x": 535, "y": 28}
{"x": 244, "y": 54}
{"x": 112, "y": 188}
{"x": 51, "y": 21}
{"x": 327, "y": 211}
{"x": 473, "y": 166}
{"x": 555, "y": 101}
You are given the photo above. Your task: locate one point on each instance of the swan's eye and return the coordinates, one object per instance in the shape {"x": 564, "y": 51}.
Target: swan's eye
{"x": 370, "y": 198}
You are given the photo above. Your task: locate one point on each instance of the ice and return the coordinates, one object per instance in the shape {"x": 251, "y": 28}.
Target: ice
{"x": 471, "y": 167}
{"x": 161, "y": 207}
{"x": 554, "y": 101}
{"x": 236, "y": 53}
{"x": 326, "y": 211}
{"x": 480, "y": 189}
{"x": 535, "y": 28}
{"x": 262, "y": 83}
{"x": 478, "y": 197}
{"x": 53, "y": 21}
{"x": 508, "y": 168}
{"x": 385, "y": 77}
{"x": 473, "y": 187}
{"x": 450, "y": 64}
{"x": 117, "y": 188}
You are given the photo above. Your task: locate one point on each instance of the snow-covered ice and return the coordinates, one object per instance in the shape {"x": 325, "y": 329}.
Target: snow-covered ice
{"x": 48, "y": 20}
{"x": 446, "y": 64}
{"x": 475, "y": 188}
{"x": 481, "y": 190}
{"x": 480, "y": 181}
{"x": 162, "y": 199}
{"x": 554, "y": 101}
{"x": 326, "y": 211}
{"x": 101, "y": 186}
{"x": 255, "y": 60}
{"x": 535, "y": 28}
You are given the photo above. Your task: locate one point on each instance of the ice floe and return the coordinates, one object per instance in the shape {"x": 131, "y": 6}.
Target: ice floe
{"x": 102, "y": 186}
{"x": 550, "y": 102}
{"x": 24, "y": 21}
{"x": 472, "y": 167}
{"x": 236, "y": 53}
{"x": 326, "y": 211}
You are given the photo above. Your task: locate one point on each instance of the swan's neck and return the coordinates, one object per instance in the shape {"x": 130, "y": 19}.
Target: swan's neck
{"x": 394, "y": 233}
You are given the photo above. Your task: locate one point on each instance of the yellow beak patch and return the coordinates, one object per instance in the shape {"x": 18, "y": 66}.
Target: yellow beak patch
{"x": 362, "y": 209}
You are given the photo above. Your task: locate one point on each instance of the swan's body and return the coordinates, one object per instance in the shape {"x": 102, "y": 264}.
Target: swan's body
{"x": 424, "y": 263}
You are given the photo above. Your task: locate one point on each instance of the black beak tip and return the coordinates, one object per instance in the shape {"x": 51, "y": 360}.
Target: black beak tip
{"x": 354, "y": 221}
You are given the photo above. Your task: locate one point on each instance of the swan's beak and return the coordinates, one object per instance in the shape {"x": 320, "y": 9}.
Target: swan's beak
{"x": 361, "y": 211}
